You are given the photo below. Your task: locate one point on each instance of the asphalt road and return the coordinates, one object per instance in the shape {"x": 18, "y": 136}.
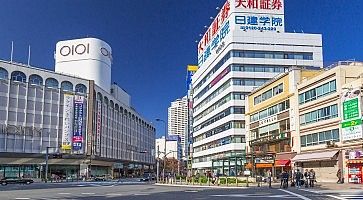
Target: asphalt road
{"x": 139, "y": 191}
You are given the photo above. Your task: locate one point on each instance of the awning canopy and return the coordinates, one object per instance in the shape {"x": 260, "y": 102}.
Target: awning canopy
{"x": 327, "y": 155}
{"x": 355, "y": 161}
{"x": 282, "y": 163}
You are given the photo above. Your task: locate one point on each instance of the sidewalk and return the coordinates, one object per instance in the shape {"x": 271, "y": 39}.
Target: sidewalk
{"x": 335, "y": 186}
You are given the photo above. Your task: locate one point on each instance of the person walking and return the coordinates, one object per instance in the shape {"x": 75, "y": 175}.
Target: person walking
{"x": 284, "y": 180}
{"x": 269, "y": 178}
{"x": 306, "y": 176}
{"x": 298, "y": 177}
{"x": 339, "y": 176}
{"x": 312, "y": 178}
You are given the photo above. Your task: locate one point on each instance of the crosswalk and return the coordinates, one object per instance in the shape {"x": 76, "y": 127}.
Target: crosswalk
{"x": 338, "y": 194}
{"x": 347, "y": 196}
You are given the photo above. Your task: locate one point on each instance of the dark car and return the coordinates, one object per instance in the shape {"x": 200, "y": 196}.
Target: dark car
{"x": 15, "y": 180}
{"x": 147, "y": 177}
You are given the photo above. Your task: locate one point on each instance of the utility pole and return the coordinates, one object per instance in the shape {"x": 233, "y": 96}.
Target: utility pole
{"x": 157, "y": 165}
{"x": 46, "y": 164}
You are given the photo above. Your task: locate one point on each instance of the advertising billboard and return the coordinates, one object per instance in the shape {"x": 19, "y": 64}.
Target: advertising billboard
{"x": 77, "y": 139}
{"x": 67, "y": 122}
{"x": 351, "y": 111}
{"x": 98, "y": 127}
{"x": 240, "y": 15}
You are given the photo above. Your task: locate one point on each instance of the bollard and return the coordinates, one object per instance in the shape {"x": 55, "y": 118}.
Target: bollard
{"x": 192, "y": 180}
{"x": 227, "y": 181}
{"x": 180, "y": 178}
{"x": 247, "y": 182}
{"x": 208, "y": 181}
{"x": 236, "y": 181}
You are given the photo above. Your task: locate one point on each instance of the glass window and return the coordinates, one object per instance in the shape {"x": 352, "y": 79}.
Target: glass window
{"x": 328, "y": 135}
{"x": 67, "y": 86}
{"x": 336, "y": 135}
{"x": 321, "y": 137}
{"x": 326, "y": 88}
{"x": 80, "y": 88}
{"x": 51, "y": 83}
{"x": 18, "y": 76}
{"x": 315, "y": 138}
{"x": 35, "y": 80}
{"x": 309, "y": 140}
{"x": 333, "y": 86}
{"x": 3, "y": 74}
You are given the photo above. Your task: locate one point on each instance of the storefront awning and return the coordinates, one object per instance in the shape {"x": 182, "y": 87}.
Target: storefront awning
{"x": 355, "y": 161}
{"x": 282, "y": 163}
{"x": 327, "y": 155}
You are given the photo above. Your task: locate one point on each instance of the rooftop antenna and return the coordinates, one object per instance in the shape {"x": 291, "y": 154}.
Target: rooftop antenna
{"x": 12, "y": 51}
{"x": 29, "y": 56}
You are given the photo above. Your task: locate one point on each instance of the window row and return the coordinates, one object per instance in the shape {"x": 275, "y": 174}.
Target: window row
{"x": 319, "y": 115}
{"x": 221, "y": 115}
{"x": 225, "y": 154}
{"x": 259, "y": 68}
{"x": 221, "y": 142}
{"x": 320, "y": 138}
{"x": 318, "y": 92}
{"x": 219, "y": 103}
{"x": 220, "y": 129}
{"x": 36, "y": 80}
{"x": 271, "y": 111}
{"x": 237, "y": 81}
{"x": 269, "y": 94}
{"x": 273, "y": 55}
{"x": 282, "y": 126}
{"x": 255, "y": 54}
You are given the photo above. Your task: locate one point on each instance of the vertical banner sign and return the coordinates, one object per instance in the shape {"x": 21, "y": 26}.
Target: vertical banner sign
{"x": 67, "y": 122}
{"x": 98, "y": 128}
{"x": 352, "y": 122}
{"x": 78, "y": 123}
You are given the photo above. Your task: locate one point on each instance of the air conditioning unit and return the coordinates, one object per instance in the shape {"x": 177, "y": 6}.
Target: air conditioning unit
{"x": 330, "y": 144}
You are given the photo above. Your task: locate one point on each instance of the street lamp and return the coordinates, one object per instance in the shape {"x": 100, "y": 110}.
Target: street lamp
{"x": 165, "y": 134}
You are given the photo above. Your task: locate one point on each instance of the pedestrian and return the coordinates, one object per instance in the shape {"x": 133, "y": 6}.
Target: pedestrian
{"x": 312, "y": 177}
{"x": 284, "y": 179}
{"x": 306, "y": 176}
{"x": 339, "y": 176}
{"x": 269, "y": 178}
{"x": 298, "y": 177}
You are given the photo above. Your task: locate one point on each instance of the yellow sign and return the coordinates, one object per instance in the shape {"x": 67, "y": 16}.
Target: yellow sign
{"x": 192, "y": 68}
{"x": 66, "y": 147}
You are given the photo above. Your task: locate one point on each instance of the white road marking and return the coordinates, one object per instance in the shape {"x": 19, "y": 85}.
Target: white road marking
{"x": 335, "y": 197}
{"x": 114, "y": 194}
{"x": 141, "y": 194}
{"x": 312, "y": 191}
{"x": 80, "y": 185}
{"x": 22, "y": 198}
{"x": 64, "y": 193}
{"x": 283, "y": 196}
{"x": 296, "y": 195}
{"x": 191, "y": 191}
{"x": 86, "y": 193}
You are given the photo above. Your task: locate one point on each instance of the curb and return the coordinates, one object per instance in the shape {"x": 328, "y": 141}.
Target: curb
{"x": 202, "y": 186}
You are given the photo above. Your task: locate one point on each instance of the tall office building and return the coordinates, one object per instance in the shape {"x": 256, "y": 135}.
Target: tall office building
{"x": 245, "y": 46}
{"x": 177, "y": 120}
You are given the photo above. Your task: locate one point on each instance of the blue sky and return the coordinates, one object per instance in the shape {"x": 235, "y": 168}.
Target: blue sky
{"x": 154, "y": 40}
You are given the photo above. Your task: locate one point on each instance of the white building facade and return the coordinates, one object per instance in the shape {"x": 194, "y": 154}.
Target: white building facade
{"x": 173, "y": 147}
{"x": 178, "y": 119}
{"x": 245, "y": 46}
{"x": 80, "y": 116}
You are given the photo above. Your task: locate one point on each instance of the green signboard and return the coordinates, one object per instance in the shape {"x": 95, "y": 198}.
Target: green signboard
{"x": 351, "y": 109}
{"x": 351, "y": 123}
